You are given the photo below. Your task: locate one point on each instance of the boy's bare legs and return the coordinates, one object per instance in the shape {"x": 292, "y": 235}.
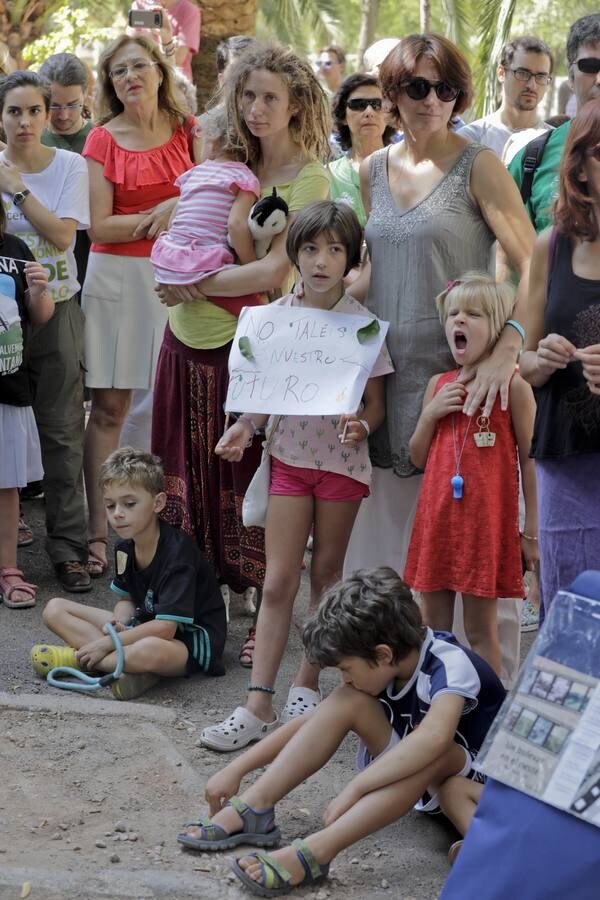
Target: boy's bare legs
{"x": 459, "y": 797}
{"x": 333, "y": 523}
{"x": 480, "y": 616}
{"x": 79, "y": 625}
{"x": 288, "y": 524}
{"x": 438, "y": 609}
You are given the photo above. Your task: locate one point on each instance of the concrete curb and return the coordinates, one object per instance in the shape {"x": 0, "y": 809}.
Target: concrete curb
{"x": 88, "y": 706}
{"x": 117, "y": 882}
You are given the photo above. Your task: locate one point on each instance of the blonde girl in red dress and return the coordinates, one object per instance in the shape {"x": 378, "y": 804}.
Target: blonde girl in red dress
{"x": 466, "y": 532}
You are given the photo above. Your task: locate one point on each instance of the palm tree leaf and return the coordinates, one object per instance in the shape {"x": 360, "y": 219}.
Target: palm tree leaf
{"x": 301, "y": 22}
{"x": 496, "y": 22}
{"x": 456, "y": 17}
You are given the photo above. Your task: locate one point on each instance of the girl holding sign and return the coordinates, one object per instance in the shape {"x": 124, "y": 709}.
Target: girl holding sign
{"x": 320, "y": 472}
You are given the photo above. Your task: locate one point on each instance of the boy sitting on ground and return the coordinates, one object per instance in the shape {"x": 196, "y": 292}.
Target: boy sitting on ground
{"x": 170, "y": 615}
{"x": 397, "y": 675}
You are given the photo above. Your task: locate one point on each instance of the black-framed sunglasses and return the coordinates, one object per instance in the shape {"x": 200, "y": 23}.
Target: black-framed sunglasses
{"x": 589, "y": 65}
{"x": 526, "y": 75}
{"x": 359, "y": 104}
{"x": 419, "y": 88}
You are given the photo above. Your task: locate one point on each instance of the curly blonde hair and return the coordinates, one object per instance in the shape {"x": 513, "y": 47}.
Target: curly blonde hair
{"x": 309, "y": 127}
{"x": 106, "y": 103}
{"x": 478, "y": 290}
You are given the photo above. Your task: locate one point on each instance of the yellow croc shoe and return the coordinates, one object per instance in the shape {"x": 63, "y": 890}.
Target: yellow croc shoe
{"x": 45, "y": 657}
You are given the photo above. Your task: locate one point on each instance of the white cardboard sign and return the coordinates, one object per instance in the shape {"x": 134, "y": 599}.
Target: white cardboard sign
{"x": 289, "y": 360}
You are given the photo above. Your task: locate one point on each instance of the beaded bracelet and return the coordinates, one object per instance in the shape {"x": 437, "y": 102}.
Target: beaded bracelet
{"x": 528, "y": 537}
{"x": 262, "y": 688}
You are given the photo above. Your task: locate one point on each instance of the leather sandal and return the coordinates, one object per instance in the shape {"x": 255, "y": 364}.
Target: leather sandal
{"x": 246, "y": 656}
{"x": 7, "y": 589}
{"x": 95, "y": 564}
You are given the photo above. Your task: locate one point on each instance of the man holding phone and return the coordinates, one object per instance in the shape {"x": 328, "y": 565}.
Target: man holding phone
{"x": 178, "y": 29}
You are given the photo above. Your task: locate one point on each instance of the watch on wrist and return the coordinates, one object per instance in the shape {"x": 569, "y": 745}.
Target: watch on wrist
{"x": 19, "y": 198}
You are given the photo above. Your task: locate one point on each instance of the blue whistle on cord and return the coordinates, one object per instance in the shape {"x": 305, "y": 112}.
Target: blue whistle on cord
{"x": 457, "y": 482}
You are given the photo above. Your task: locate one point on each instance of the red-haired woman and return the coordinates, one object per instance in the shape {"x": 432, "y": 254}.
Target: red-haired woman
{"x": 562, "y": 360}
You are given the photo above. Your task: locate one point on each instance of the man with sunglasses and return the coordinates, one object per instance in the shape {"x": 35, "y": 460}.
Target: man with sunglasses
{"x": 583, "y": 59}
{"x": 330, "y": 68}
{"x": 525, "y": 71}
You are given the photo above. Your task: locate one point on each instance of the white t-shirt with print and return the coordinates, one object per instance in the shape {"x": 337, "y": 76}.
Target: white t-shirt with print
{"x": 63, "y": 188}
{"x": 312, "y": 442}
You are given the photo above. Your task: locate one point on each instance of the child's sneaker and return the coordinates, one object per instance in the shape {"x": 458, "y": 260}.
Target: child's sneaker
{"x": 129, "y": 686}
{"x": 45, "y": 657}
{"x": 530, "y": 616}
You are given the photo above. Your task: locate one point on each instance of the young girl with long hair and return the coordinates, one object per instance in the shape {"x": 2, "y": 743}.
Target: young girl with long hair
{"x": 320, "y": 472}
{"x": 465, "y": 536}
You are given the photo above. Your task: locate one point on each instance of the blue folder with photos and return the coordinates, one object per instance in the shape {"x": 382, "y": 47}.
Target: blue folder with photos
{"x": 545, "y": 743}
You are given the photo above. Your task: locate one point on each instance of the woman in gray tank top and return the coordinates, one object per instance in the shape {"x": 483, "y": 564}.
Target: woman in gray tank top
{"x": 436, "y": 206}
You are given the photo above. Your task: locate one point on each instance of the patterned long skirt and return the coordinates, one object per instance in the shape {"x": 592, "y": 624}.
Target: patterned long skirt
{"x": 204, "y": 492}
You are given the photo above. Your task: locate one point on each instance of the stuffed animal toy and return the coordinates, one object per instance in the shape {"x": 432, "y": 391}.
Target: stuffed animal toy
{"x": 267, "y": 218}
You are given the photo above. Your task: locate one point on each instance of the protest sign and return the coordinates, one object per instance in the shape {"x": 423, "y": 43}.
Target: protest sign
{"x": 298, "y": 361}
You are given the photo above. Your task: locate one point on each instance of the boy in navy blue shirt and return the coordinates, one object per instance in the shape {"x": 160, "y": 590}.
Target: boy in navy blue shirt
{"x": 397, "y": 675}
{"x": 170, "y": 615}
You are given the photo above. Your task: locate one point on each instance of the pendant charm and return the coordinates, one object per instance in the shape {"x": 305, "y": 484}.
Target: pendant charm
{"x": 484, "y": 437}
{"x": 457, "y": 482}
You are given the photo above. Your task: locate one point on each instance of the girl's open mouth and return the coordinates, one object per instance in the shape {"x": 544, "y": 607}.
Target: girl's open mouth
{"x": 460, "y": 340}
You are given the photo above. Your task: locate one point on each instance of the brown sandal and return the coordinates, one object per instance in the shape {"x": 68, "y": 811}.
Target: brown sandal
{"x": 246, "y": 656}
{"x": 95, "y": 565}
{"x": 7, "y": 589}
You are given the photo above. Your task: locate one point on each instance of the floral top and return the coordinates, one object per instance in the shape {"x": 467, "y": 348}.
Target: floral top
{"x": 312, "y": 442}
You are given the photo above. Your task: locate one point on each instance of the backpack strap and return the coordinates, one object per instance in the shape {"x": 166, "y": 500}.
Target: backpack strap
{"x": 532, "y": 157}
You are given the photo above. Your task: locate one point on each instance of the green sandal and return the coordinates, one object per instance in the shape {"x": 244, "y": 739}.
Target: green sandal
{"x": 258, "y": 829}
{"x": 275, "y": 877}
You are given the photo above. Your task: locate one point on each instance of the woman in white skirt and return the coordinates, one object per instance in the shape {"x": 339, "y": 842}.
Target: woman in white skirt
{"x": 143, "y": 143}
{"x": 24, "y": 298}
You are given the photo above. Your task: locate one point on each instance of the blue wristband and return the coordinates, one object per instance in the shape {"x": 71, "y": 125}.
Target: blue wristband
{"x": 517, "y": 327}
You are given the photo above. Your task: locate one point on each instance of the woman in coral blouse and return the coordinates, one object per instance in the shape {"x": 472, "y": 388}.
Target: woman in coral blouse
{"x": 143, "y": 143}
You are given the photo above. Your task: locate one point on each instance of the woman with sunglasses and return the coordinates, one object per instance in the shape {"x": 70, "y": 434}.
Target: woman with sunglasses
{"x": 144, "y": 142}
{"x": 436, "y": 204}
{"x": 360, "y": 126}
{"x": 562, "y": 360}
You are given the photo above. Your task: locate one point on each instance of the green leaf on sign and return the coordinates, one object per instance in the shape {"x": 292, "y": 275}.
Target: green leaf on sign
{"x": 368, "y": 331}
{"x": 244, "y": 345}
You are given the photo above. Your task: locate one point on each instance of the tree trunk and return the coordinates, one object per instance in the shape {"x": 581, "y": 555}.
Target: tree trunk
{"x": 369, "y": 11}
{"x": 424, "y": 15}
{"x": 219, "y": 21}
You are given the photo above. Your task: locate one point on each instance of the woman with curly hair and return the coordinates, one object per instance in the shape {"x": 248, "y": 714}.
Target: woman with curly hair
{"x": 279, "y": 125}
{"x": 562, "y": 361}
{"x": 360, "y": 126}
{"x": 142, "y": 144}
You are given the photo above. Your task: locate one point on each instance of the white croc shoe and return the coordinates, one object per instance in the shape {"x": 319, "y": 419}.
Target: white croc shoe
{"x": 299, "y": 701}
{"x": 237, "y": 731}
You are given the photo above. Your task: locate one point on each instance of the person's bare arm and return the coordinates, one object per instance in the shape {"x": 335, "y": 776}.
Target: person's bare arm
{"x": 59, "y": 232}
{"x": 359, "y": 288}
{"x": 522, "y": 411}
{"x": 502, "y": 208}
{"x": 423, "y": 746}
{"x": 265, "y": 274}
{"x": 373, "y": 413}
{"x": 543, "y": 355}
{"x": 238, "y": 232}
{"x": 449, "y": 399}
{"x": 106, "y": 228}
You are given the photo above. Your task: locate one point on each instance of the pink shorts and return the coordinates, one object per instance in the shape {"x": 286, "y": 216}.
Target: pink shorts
{"x": 297, "y": 481}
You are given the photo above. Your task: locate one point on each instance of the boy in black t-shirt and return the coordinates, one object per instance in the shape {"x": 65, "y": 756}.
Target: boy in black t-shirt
{"x": 170, "y": 614}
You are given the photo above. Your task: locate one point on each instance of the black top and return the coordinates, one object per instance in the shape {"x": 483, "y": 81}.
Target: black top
{"x": 567, "y": 420}
{"x": 178, "y": 585}
{"x": 14, "y": 380}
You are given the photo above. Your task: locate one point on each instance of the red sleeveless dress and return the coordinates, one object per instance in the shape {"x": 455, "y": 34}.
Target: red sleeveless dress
{"x": 470, "y": 545}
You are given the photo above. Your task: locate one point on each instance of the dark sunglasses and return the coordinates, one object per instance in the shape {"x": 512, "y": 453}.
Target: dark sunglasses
{"x": 359, "y": 104}
{"x": 419, "y": 88}
{"x": 589, "y": 66}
